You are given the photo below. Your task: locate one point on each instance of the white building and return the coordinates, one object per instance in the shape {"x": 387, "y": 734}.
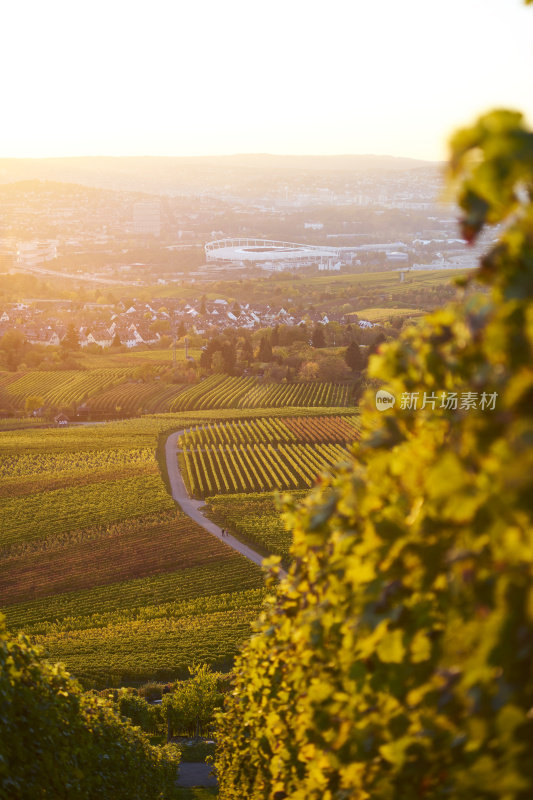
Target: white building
{"x": 330, "y": 266}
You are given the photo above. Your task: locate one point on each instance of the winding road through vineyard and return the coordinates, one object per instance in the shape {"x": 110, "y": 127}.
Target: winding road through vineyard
{"x": 193, "y": 507}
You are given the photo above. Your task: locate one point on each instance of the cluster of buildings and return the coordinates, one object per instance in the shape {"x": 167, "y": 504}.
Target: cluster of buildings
{"x": 143, "y": 324}
{"x": 47, "y": 327}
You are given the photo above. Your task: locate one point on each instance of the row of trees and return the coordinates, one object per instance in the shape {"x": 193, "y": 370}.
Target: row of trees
{"x": 301, "y": 359}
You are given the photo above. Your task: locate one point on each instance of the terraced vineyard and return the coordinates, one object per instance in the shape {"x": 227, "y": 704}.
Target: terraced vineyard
{"x": 263, "y": 454}
{"x": 111, "y": 391}
{"x": 160, "y": 641}
{"x": 98, "y": 566}
{"x": 61, "y": 388}
{"x": 136, "y": 398}
{"x": 220, "y": 391}
{"x": 108, "y": 554}
{"x": 47, "y": 513}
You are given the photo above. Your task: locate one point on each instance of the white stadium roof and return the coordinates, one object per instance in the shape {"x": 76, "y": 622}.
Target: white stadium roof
{"x": 254, "y": 250}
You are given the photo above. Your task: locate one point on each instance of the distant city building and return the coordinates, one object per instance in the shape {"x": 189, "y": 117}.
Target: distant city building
{"x": 330, "y": 266}
{"x": 33, "y": 254}
{"x": 397, "y": 256}
{"x": 147, "y": 217}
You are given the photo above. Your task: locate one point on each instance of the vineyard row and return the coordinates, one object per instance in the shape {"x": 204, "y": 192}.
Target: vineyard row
{"x": 268, "y": 430}
{"x": 226, "y": 469}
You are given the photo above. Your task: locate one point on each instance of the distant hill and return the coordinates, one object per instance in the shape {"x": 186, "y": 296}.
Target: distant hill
{"x": 193, "y": 174}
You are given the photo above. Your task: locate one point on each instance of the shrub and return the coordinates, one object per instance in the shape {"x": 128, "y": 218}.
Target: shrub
{"x": 139, "y": 712}
{"x": 56, "y": 742}
{"x": 191, "y": 706}
{"x": 151, "y": 691}
{"x": 395, "y": 660}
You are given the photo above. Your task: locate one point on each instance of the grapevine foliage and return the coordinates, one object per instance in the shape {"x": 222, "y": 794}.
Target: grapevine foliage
{"x": 395, "y": 660}
{"x": 56, "y": 742}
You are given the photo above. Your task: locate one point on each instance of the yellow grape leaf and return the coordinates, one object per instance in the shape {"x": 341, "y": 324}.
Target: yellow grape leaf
{"x": 390, "y": 650}
{"x": 352, "y": 776}
{"x": 394, "y": 752}
{"x": 508, "y": 719}
{"x": 420, "y": 647}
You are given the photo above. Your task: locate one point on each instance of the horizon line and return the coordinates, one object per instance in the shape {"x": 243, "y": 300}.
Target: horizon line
{"x": 226, "y": 155}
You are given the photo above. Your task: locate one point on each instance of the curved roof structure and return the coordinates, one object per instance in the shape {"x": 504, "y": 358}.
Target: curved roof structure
{"x": 265, "y": 250}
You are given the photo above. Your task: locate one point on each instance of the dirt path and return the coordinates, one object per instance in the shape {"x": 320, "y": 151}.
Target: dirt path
{"x": 192, "y": 507}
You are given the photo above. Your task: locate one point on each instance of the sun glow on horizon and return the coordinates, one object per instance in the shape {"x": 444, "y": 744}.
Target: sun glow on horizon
{"x": 214, "y": 78}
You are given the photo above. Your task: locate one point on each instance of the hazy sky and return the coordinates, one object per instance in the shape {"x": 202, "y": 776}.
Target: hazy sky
{"x": 203, "y": 77}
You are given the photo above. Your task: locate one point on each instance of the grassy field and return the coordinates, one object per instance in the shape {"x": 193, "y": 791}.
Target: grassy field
{"x": 383, "y": 314}
{"x": 135, "y": 358}
{"x": 389, "y": 279}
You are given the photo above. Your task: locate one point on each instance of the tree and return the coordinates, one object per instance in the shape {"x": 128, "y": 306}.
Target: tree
{"x": 318, "y": 338}
{"x": 144, "y": 373}
{"x": 229, "y": 356}
{"x": 12, "y": 344}
{"x": 354, "y": 357}
{"x": 377, "y": 341}
{"x": 206, "y": 357}
{"x": 395, "y": 659}
{"x": 217, "y": 362}
{"x": 247, "y": 352}
{"x": 138, "y": 711}
{"x": 308, "y": 371}
{"x": 33, "y": 403}
{"x": 333, "y": 369}
{"x": 265, "y": 349}
{"x": 275, "y": 373}
{"x": 164, "y": 343}
{"x": 71, "y": 340}
{"x": 191, "y": 706}
{"x": 161, "y": 326}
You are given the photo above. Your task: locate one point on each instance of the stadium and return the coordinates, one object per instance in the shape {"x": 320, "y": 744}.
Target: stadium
{"x": 267, "y": 254}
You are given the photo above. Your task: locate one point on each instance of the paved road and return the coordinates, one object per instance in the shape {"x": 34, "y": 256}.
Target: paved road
{"x": 196, "y": 774}
{"x": 192, "y": 507}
